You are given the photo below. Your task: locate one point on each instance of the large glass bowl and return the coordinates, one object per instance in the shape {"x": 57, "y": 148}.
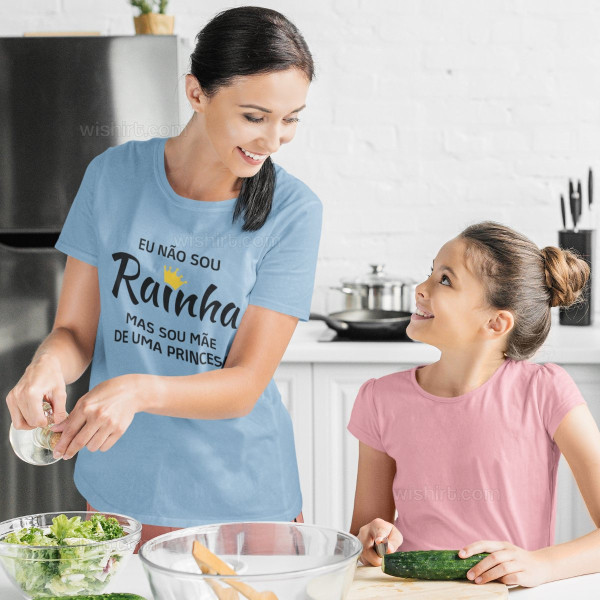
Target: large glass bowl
{"x": 295, "y": 561}
{"x": 45, "y": 571}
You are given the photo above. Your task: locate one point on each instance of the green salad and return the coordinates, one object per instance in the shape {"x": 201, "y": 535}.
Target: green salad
{"x": 69, "y": 565}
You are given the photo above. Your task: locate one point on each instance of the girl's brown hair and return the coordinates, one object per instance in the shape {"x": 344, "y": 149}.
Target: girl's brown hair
{"x": 527, "y": 281}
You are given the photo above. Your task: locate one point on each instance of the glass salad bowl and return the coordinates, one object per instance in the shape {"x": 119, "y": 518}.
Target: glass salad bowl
{"x": 53, "y": 558}
{"x": 276, "y": 560}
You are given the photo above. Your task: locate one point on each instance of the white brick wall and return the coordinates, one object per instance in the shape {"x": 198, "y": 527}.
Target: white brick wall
{"x": 426, "y": 115}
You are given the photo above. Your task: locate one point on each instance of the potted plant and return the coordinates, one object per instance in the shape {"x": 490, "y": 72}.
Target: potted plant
{"x": 152, "y": 18}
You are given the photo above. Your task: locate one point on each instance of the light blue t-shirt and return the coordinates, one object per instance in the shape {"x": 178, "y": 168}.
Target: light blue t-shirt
{"x": 175, "y": 277}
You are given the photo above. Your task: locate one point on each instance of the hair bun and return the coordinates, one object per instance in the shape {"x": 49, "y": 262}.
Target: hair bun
{"x": 566, "y": 275}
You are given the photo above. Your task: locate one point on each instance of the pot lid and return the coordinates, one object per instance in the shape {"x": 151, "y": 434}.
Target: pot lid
{"x": 376, "y": 278}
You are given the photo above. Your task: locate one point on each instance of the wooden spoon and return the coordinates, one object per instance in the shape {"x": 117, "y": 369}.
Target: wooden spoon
{"x": 205, "y": 558}
{"x": 222, "y": 593}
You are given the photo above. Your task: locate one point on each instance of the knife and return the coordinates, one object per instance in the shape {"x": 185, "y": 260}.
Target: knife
{"x": 381, "y": 548}
{"x": 562, "y": 211}
{"x": 590, "y": 188}
{"x": 579, "y": 198}
{"x": 573, "y": 206}
{"x": 571, "y": 191}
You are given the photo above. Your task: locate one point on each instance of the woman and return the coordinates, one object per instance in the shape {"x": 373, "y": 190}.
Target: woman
{"x": 190, "y": 261}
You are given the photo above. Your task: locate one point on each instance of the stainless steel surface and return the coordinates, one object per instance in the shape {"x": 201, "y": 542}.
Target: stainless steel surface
{"x": 409, "y": 303}
{"x": 374, "y": 291}
{"x": 30, "y": 280}
{"x": 63, "y": 100}
{"x": 355, "y": 296}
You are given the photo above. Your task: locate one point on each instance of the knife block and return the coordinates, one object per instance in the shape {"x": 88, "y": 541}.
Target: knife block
{"x": 584, "y": 243}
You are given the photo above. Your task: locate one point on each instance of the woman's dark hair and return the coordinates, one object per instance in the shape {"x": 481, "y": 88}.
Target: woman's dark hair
{"x": 247, "y": 41}
{"x": 527, "y": 281}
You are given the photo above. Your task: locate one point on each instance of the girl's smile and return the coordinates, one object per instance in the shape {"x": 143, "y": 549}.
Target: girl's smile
{"x": 421, "y": 314}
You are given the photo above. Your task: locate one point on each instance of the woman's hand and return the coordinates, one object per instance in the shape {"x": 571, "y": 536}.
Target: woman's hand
{"x": 42, "y": 379}
{"x": 373, "y": 533}
{"x": 507, "y": 563}
{"x": 100, "y": 417}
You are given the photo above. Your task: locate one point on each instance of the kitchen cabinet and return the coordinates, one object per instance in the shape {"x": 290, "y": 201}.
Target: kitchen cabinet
{"x": 336, "y": 450}
{"x": 295, "y": 386}
{"x": 319, "y": 383}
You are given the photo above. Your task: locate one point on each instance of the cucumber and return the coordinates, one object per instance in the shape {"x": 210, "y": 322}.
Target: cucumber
{"x": 99, "y": 597}
{"x": 429, "y": 564}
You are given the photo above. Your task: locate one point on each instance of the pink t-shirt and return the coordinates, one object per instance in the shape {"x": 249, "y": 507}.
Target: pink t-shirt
{"x": 474, "y": 467}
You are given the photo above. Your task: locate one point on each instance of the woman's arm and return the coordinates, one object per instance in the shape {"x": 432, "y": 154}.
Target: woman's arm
{"x": 578, "y": 438}
{"x": 255, "y": 354}
{"x": 374, "y": 507}
{"x": 105, "y": 412}
{"x": 65, "y": 353}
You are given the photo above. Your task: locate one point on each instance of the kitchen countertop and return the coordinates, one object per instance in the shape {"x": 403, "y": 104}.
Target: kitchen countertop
{"x": 132, "y": 580}
{"x": 564, "y": 345}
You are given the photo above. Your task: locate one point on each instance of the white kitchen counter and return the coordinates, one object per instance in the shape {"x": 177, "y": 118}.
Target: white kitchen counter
{"x": 565, "y": 345}
{"x": 132, "y": 580}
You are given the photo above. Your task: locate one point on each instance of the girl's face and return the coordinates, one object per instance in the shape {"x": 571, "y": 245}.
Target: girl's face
{"x": 453, "y": 302}
{"x": 254, "y": 115}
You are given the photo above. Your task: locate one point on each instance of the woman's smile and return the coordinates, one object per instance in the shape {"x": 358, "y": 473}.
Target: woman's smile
{"x": 251, "y": 158}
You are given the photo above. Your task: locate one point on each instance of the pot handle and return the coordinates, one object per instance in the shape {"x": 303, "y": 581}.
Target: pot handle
{"x": 345, "y": 290}
{"x": 333, "y": 323}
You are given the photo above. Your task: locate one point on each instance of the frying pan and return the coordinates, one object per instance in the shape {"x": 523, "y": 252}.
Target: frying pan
{"x": 367, "y": 324}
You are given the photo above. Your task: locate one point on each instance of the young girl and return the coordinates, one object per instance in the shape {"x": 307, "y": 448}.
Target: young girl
{"x": 466, "y": 449}
{"x": 190, "y": 261}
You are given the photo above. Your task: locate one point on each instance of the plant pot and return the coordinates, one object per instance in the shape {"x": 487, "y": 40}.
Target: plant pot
{"x": 154, "y": 24}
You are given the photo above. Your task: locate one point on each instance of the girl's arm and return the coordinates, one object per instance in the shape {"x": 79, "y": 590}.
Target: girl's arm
{"x": 578, "y": 438}
{"x": 374, "y": 507}
{"x": 65, "y": 353}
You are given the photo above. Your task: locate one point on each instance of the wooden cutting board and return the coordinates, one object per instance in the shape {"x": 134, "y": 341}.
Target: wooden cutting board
{"x": 370, "y": 583}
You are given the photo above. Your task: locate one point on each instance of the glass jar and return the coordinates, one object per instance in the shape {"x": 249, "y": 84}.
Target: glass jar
{"x": 36, "y": 446}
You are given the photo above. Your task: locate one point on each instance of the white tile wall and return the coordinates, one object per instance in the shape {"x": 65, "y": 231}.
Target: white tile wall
{"x": 426, "y": 115}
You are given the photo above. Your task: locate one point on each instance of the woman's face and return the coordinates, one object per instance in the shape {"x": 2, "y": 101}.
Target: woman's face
{"x": 254, "y": 115}
{"x": 453, "y": 300}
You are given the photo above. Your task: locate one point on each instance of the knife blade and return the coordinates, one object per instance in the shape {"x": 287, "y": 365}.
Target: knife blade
{"x": 590, "y": 188}
{"x": 562, "y": 211}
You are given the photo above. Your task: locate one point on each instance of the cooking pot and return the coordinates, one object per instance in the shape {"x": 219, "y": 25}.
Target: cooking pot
{"x": 376, "y": 290}
{"x": 359, "y": 324}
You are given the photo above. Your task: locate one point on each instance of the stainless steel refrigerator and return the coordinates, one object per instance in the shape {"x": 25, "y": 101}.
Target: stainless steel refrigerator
{"x": 63, "y": 100}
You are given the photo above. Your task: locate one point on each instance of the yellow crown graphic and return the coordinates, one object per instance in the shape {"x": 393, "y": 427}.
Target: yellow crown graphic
{"x": 171, "y": 277}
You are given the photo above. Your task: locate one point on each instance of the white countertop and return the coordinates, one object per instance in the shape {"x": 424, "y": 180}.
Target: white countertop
{"x": 565, "y": 345}
{"x": 132, "y": 580}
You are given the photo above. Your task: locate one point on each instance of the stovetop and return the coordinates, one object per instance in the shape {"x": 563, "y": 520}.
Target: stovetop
{"x": 329, "y": 335}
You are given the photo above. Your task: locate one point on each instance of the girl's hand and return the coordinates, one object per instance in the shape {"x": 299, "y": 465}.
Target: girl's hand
{"x": 507, "y": 563}
{"x": 42, "y": 379}
{"x": 375, "y": 532}
{"x": 99, "y": 418}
